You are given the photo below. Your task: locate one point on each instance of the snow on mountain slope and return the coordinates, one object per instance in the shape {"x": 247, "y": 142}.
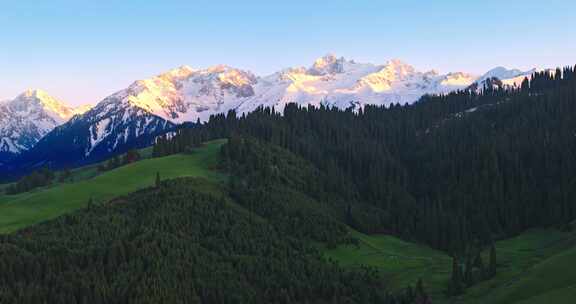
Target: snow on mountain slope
{"x": 186, "y": 94}
{"x": 110, "y": 128}
{"x": 502, "y": 73}
{"x": 505, "y": 77}
{"x": 28, "y": 117}
{"x": 343, "y": 84}
{"x": 118, "y": 120}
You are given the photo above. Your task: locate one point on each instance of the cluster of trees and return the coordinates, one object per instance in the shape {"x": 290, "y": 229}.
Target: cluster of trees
{"x": 164, "y": 145}
{"x": 274, "y": 183}
{"x": 471, "y": 269}
{"x": 451, "y": 170}
{"x": 65, "y": 175}
{"x": 131, "y": 156}
{"x": 186, "y": 241}
{"x": 40, "y": 178}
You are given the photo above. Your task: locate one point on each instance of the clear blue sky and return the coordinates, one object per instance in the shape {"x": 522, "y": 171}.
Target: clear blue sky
{"x": 82, "y": 51}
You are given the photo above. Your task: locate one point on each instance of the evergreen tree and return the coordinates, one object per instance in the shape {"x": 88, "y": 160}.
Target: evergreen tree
{"x": 421, "y": 295}
{"x": 456, "y": 284}
{"x": 492, "y": 261}
{"x": 479, "y": 265}
{"x": 158, "y": 181}
{"x": 90, "y": 203}
{"x": 65, "y": 175}
{"x": 40, "y": 178}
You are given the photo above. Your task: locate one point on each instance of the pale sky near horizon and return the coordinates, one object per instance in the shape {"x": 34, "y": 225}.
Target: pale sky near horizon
{"x": 82, "y": 51}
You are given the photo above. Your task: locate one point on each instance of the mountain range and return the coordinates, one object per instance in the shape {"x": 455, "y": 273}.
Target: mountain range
{"x": 38, "y": 130}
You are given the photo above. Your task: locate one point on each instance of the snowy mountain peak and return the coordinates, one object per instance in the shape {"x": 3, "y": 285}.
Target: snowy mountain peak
{"x": 458, "y": 79}
{"x": 36, "y": 100}
{"x": 36, "y": 93}
{"x": 397, "y": 70}
{"x": 226, "y": 76}
{"x": 179, "y": 94}
{"x": 400, "y": 65}
{"x": 505, "y": 77}
{"x": 181, "y": 72}
{"x": 29, "y": 116}
{"x": 503, "y": 73}
{"x": 327, "y": 64}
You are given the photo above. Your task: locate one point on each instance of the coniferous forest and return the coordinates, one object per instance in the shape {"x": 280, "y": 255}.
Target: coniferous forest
{"x": 456, "y": 172}
{"x": 449, "y": 171}
{"x": 183, "y": 241}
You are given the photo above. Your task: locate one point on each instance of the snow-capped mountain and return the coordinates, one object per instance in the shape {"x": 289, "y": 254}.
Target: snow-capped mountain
{"x": 28, "y": 117}
{"x": 501, "y": 76}
{"x": 186, "y": 94}
{"x": 113, "y": 126}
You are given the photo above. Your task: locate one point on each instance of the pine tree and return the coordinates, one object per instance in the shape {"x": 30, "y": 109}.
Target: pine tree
{"x": 421, "y": 295}
{"x": 455, "y": 287}
{"x": 492, "y": 261}
{"x": 90, "y": 203}
{"x": 349, "y": 216}
{"x": 479, "y": 264}
{"x": 158, "y": 181}
{"x": 468, "y": 277}
{"x": 65, "y": 175}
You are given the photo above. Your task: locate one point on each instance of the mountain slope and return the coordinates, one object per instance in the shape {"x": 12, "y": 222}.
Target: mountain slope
{"x": 109, "y": 128}
{"x": 502, "y": 77}
{"x": 28, "y": 117}
{"x": 44, "y": 204}
{"x": 186, "y": 94}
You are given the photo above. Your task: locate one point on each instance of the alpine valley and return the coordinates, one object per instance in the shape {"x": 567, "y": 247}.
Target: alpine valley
{"x": 37, "y": 130}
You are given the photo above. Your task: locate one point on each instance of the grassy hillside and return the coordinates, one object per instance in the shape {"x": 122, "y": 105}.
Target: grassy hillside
{"x": 91, "y": 171}
{"x": 401, "y": 262}
{"x": 552, "y": 281}
{"x": 559, "y": 295}
{"x": 534, "y": 267}
{"x": 24, "y": 209}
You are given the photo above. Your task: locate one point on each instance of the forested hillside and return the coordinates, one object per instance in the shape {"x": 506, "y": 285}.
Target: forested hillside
{"x": 183, "y": 241}
{"x": 24, "y": 209}
{"x": 455, "y": 171}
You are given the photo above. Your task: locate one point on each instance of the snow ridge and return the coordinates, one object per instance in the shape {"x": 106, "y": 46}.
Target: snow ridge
{"x": 187, "y": 95}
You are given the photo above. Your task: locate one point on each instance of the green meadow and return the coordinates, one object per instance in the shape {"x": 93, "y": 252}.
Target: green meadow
{"x": 536, "y": 267}
{"x": 24, "y": 209}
